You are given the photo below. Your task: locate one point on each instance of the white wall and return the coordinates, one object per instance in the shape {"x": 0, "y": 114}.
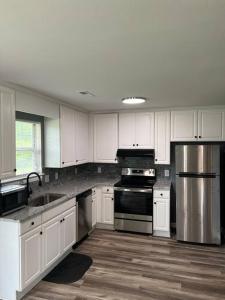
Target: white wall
{"x": 37, "y": 105}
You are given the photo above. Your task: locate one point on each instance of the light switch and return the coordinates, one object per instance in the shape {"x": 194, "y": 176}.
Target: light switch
{"x": 56, "y": 176}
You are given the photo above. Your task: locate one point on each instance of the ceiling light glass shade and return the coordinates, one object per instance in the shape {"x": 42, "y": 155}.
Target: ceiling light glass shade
{"x": 133, "y": 100}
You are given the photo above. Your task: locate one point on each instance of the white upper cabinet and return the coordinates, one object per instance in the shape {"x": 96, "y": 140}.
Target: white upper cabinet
{"x": 162, "y": 137}
{"x": 193, "y": 125}
{"x": 105, "y": 137}
{"x": 81, "y": 137}
{"x": 126, "y": 130}
{"x": 136, "y": 130}
{"x": 66, "y": 139}
{"x": 7, "y": 133}
{"x": 67, "y": 128}
{"x": 144, "y": 130}
{"x": 211, "y": 125}
{"x": 184, "y": 125}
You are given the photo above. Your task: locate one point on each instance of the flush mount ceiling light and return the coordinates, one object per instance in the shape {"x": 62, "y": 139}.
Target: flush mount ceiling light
{"x": 133, "y": 100}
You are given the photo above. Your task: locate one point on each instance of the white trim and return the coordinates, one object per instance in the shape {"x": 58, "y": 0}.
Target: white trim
{"x": 22, "y": 178}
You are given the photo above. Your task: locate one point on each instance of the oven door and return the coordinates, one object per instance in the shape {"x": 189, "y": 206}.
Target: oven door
{"x": 133, "y": 201}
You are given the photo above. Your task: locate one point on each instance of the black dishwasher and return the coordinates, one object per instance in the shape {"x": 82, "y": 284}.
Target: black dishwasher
{"x": 84, "y": 214}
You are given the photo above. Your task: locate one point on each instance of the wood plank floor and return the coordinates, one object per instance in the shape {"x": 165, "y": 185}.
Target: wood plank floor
{"x": 136, "y": 267}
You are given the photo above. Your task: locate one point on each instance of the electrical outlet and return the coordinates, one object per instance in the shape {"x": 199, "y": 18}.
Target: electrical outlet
{"x": 167, "y": 173}
{"x": 56, "y": 176}
{"x": 75, "y": 171}
{"x": 46, "y": 178}
{"x": 99, "y": 170}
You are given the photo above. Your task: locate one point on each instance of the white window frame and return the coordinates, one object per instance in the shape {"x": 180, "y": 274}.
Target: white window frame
{"x": 36, "y": 149}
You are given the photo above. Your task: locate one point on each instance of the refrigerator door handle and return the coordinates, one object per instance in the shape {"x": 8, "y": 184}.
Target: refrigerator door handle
{"x": 197, "y": 175}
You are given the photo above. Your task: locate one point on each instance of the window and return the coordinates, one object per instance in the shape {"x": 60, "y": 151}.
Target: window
{"x": 28, "y": 147}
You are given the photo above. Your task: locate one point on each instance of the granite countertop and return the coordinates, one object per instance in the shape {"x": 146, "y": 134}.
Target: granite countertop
{"x": 162, "y": 185}
{"x": 70, "y": 188}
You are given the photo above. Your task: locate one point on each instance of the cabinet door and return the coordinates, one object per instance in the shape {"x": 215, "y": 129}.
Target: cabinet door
{"x": 127, "y": 130}
{"x": 108, "y": 209}
{"x": 105, "y": 138}
{"x": 211, "y": 125}
{"x": 31, "y": 256}
{"x": 99, "y": 205}
{"x": 144, "y": 130}
{"x": 7, "y": 133}
{"x": 184, "y": 125}
{"x": 162, "y": 137}
{"x": 67, "y": 130}
{"x": 81, "y": 137}
{"x": 51, "y": 241}
{"x": 94, "y": 210}
{"x": 68, "y": 229}
{"x": 161, "y": 215}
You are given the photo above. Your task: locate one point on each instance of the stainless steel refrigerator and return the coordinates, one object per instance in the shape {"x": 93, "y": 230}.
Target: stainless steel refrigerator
{"x": 198, "y": 193}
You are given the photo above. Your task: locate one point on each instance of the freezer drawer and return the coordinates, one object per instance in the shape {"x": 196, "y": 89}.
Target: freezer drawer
{"x": 198, "y": 209}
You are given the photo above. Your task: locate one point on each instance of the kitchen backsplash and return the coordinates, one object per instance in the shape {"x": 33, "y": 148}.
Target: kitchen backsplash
{"x": 99, "y": 169}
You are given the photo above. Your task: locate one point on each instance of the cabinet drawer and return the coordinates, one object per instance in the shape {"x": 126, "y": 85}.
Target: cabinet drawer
{"x": 107, "y": 190}
{"x": 30, "y": 224}
{"x": 161, "y": 194}
{"x": 51, "y": 213}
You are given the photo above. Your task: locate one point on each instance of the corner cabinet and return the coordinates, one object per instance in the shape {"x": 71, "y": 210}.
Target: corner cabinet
{"x": 136, "y": 130}
{"x": 198, "y": 125}
{"x": 67, "y": 136}
{"x": 105, "y": 138}
{"x": 7, "y": 133}
{"x": 162, "y": 137}
{"x": 66, "y": 139}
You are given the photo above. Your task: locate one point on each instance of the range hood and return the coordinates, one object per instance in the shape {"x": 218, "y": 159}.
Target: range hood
{"x": 135, "y": 153}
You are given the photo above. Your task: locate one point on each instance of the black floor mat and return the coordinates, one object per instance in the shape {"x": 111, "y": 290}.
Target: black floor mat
{"x": 70, "y": 270}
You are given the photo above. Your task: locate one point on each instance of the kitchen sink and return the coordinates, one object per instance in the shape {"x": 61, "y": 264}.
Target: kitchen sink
{"x": 45, "y": 199}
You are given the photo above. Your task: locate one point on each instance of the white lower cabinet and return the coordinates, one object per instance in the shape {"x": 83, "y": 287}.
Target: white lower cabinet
{"x": 68, "y": 229}
{"x": 104, "y": 210}
{"x": 51, "y": 242}
{"x": 161, "y": 213}
{"x": 34, "y": 247}
{"x": 31, "y": 256}
{"x": 107, "y": 209}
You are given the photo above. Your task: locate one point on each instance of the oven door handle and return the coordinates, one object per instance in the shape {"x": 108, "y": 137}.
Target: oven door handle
{"x": 138, "y": 190}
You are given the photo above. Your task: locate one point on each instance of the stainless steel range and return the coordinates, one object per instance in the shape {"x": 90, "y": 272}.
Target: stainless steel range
{"x": 133, "y": 197}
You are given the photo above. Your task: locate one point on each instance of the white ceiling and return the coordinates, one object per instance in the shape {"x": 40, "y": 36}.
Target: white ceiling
{"x": 171, "y": 51}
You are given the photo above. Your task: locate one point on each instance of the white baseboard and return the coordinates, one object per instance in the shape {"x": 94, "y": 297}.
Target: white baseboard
{"x": 160, "y": 233}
